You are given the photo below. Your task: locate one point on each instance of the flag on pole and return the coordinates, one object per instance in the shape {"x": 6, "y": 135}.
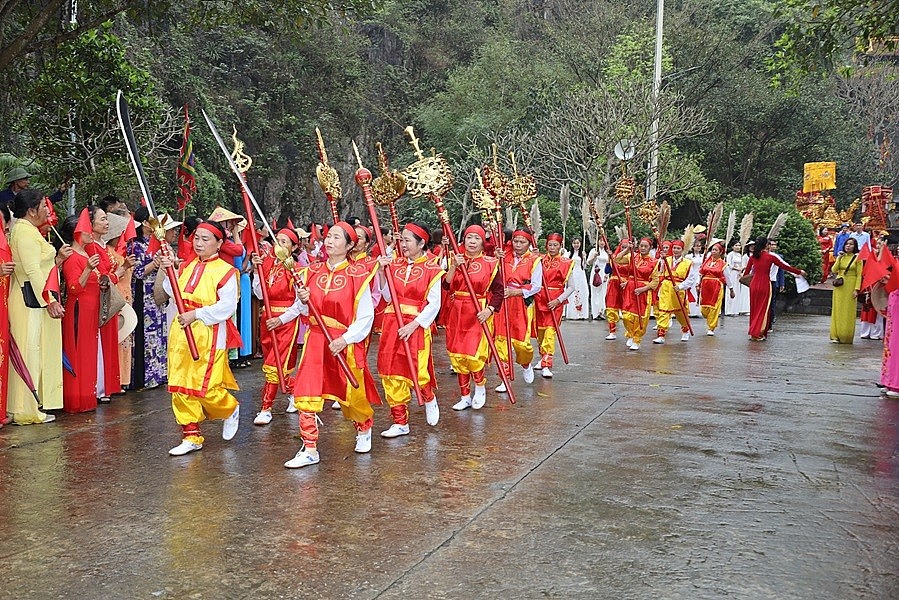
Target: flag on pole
{"x": 186, "y": 173}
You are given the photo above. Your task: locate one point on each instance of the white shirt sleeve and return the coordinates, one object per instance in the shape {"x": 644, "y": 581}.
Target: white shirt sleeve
{"x": 222, "y": 310}
{"x": 365, "y": 318}
{"x": 293, "y": 311}
{"x": 429, "y": 312}
{"x": 691, "y": 280}
{"x": 569, "y": 289}
{"x": 536, "y": 282}
{"x": 257, "y": 286}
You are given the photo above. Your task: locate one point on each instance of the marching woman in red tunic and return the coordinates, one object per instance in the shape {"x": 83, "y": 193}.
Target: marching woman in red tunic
{"x": 7, "y": 266}
{"x": 613, "y": 298}
{"x": 524, "y": 280}
{"x": 341, "y": 292}
{"x": 556, "y": 275}
{"x": 638, "y": 279}
{"x": 416, "y": 276}
{"x": 465, "y": 340}
{"x": 760, "y": 291}
{"x": 80, "y": 324}
{"x": 282, "y": 329}
{"x": 711, "y": 286}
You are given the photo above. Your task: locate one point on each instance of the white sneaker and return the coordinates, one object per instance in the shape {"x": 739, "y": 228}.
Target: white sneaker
{"x": 184, "y": 447}
{"x": 480, "y": 397}
{"x": 396, "y": 430}
{"x": 291, "y": 408}
{"x": 659, "y": 340}
{"x": 336, "y": 405}
{"x": 432, "y": 412}
{"x": 710, "y": 332}
{"x": 303, "y": 458}
{"x": 501, "y": 388}
{"x": 545, "y": 372}
{"x": 891, "y": 394}
{"x": 685, "y": 337}
{"x": 635, "y": 346}
{"x": 363, "y": 441}
{"x": 529, "y": 374}
{"x": 611, "y": 336}
{"x": 263, "y": 418}
{"x": 229, "y": 429}
{"x": 463, "y": 403}
{"x": 629, "y": 342}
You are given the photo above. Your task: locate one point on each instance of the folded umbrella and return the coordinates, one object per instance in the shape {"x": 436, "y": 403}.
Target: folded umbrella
{"x": 67, "y": 364}
{"x": 18, "y": 363}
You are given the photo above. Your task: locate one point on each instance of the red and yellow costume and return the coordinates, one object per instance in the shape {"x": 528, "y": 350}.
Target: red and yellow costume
{"x": 417, "y": 286}
{"x": 200, "y": 389}
{"x": 556, "y": 272}
{"x": 711, "y": 290}
{"x": 613, "y": 296}
{"x": 525, "y": 273}
{"x": 826, "y": 243}
{"x": 635, "y": 307}
{"x": 466, "y": 343}
{"x": 285, "y": 306}
{"x": 673, "y": 272}
{"x": 342, "y": 295}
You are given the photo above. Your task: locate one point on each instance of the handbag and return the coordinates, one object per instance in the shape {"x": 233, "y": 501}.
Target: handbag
{"x": 838, "y": 281}
{"x": 597, "y": 277}
{"x": 746, "y": 280}
{"x": 111, "y": 303}
{"x": 30, "y": 298}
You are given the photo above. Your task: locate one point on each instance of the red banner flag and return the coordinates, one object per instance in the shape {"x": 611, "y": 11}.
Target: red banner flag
{"x": 51, "y": 288}
{"x": 872, "y": 272}
{"x": 186, "y": 173}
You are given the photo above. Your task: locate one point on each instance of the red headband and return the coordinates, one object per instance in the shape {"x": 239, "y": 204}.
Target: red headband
{"x": 678, "y": 244}
{"x": 211, "y": 229}
{"x": 291, "y": 234}
{"x": 369, "y": 232}
{"x": 647, "y": 240}
{"x": 349, "y": 230}
{"x": 524, "y": 234}
{"x": 418, "y": 231}
{"x": 554, "y": 236}
{"x": 477, "y": 229}
{"x": 720, "y": 247}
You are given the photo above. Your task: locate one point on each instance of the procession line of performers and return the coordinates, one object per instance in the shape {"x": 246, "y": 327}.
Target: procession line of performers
{"x": 348, "y": 288}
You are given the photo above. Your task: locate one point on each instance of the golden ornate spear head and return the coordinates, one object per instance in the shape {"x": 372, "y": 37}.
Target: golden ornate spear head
{"x": 241, "y": 159}
{"x": 328, "y": 177}
{"x": 322, "y": 153}
{"x": 414, "y": 141}
{"x": 390, "y": 185}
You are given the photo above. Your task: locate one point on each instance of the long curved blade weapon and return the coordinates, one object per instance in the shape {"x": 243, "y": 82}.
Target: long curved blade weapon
{"x": 134, "y": 157}
{"x": 246, "y": 188}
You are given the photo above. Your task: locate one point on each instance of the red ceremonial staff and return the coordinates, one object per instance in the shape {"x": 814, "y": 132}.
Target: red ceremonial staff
{"x": 328, "y": 177}
{"x": 363, "y": 179}
{"x": 624, "y": 191}
{"x": 158, "y": 232}
{"x": 244, "y": 162}
{"x": 431, "y": 177}
{"x": 524, "y": 188}
{"x": 312, "y": 308}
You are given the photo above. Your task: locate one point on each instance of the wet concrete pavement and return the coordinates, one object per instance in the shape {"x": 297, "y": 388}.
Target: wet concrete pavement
{"x": 711, "y": 469}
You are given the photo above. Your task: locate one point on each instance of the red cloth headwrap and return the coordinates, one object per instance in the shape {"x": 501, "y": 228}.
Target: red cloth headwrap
{"x": 554, "y": 236}
{"x": 678, "y": 244}
{"x": 475, "y": 229}
{"x": 211, "y": 229}
{"x": 647, "y": 240}
{"x": 524, "y": 234}
{"x": 418, "y": 231}
{"x": 291, "y": 235}
{"x": 349, "y": 229}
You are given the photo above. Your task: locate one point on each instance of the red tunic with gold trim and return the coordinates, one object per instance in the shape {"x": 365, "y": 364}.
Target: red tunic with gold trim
{"x": 712, "y": 282}
{"x": 613, "y": 289}
{"x": 413, "y": 281}
{"x": 336, "y": 294}
{"x": 282, "y": 295}
{"x": 645, "y": 268}
{"x": 556, "y": 271}
{"x": 464, "y": 335}
{"x": 514, "y": 307}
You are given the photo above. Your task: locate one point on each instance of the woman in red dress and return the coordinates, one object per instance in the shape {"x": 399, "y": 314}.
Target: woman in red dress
{"x": 7, "y": 266}
{"x": 465, "y": 339}
{"x": 80, "y": 324}
{"x": 712, "y": 286}
{"x": 760, "y": 291}
{"x": 416, "y": 276}
{"x": 826, "y": 243}
{"x": 109, "y": 377}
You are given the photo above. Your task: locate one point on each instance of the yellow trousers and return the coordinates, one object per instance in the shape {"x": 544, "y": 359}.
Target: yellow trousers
{"x": 546, "y": 339}
{"x": 711, "y": 314}
{"x": 524, "y": 352}
{"x": 663, "y": 319}
{"x": 355, "y": 405}
{"x": 635, "y": 326}
{"x": 218, "y": 404}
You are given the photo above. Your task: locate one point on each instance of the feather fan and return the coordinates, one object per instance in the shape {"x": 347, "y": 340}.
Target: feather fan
{"x": 620, "y": 232}
{"x": 778, "y": 225}
{"x": 688, "y": 236}
{"x": 536, "y": 221}
{"x": 745, "y": 229}
{"x": 592, "y": 233}
{"x": 564, "y": 204}
{"x": 731, "y": 224}
{"x": 714, "y": 220}
{"x": 511, "y": 218}
{"x": 585, "y": 213}
{"x": 663, "y": 219}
